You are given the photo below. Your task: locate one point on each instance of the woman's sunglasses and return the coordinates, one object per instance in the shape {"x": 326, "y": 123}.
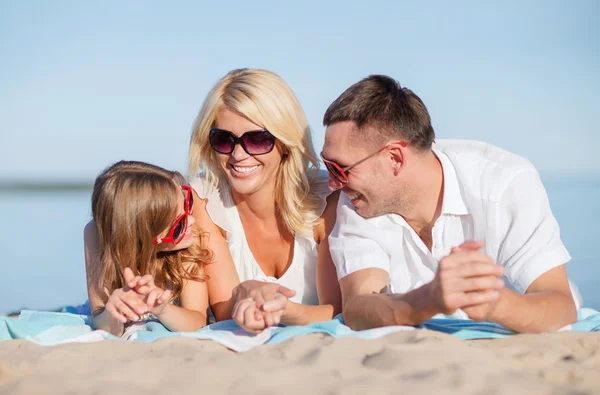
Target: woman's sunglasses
{"x": 256, "y": 142}
{"x": 178, "y": 229}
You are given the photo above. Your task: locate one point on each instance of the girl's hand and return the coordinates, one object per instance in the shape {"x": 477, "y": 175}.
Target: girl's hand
{"x": 155, "y": 298}
{"x": 125, "y": 304}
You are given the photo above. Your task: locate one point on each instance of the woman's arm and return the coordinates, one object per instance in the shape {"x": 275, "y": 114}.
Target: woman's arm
{"x": 221, "y": 272}
{"x": 328, "y": 288}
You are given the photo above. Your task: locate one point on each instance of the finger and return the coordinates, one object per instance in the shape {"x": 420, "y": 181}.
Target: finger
{"x": 242, "y": 306}
{"x": 153, "y": 296}
{"x": 135, "y": 302}
{"x": 278, "y": 303}
{"x": 479, "y": 269}
{"x": 471, "y": 245}
{"x": 128, "y": 276}
{"x": 135, "y": 280}
{"x": 125, "y": 310}
{"x": 146, "y": 280}
{"x": 462, "y": 257}
{"x": 285, "y": 291}
{"x": 249, "y": 320}
{"x": 479, "y": 297}
{"x": 258, "y": 298}
{"x": 479, "y": 284}
{"x": 165, "y": 297}
{"x": 145, "y": 290}
{"x": 277, "y": 317}
{"x": 112, "y": 310}
{"x": 268, "y": 319}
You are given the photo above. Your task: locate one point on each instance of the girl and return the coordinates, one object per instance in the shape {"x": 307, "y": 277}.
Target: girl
{"x": 145, "y": 255}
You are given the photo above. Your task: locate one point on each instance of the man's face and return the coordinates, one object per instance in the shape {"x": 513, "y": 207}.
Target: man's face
{"x": 370, "y": 181}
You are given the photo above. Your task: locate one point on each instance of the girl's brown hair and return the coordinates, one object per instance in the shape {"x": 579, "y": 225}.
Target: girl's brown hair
{"x": 132, "y": 203}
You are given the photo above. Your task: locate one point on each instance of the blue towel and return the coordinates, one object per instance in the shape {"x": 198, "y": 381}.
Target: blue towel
{"x": 49, "y": 328}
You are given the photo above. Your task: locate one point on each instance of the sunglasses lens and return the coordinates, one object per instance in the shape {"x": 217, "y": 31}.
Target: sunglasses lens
{"x": 334, "y": 171}
{"x": 221, "y": 141}
{"x": 180, "y": 228}
{"x": 258, "y": 143}
{"x": 191, "y": 203}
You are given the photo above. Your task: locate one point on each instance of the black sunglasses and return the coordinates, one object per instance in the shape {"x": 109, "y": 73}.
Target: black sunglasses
{"x": 256, "y": 142}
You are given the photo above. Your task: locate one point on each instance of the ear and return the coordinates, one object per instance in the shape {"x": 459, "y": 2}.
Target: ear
{"x": 397, "y": 153}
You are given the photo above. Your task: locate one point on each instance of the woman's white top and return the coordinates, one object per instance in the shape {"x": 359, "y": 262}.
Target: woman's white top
{"x": 301, "y": 275}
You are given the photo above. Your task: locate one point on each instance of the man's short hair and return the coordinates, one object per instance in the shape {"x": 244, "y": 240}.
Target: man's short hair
{"x": 383, "y": 110}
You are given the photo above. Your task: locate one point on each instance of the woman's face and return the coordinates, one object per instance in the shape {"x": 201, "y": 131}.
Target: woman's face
{"x": 187, "y": 237}
{"x": 247, "y": 174}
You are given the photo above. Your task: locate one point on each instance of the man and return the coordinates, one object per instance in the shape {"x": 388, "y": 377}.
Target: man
{"x": 425, "y": 229}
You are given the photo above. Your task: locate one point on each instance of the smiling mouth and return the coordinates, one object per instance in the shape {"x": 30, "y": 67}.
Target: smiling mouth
{"x": 354, "y": 195}
{"x": 244, "y": 169}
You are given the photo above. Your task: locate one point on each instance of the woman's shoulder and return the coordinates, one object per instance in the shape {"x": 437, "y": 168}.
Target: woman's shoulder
{"x": 212, "y": 197}
{"x": 320, "y": 189}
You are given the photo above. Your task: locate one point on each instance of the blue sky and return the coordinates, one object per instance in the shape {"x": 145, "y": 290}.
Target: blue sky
{"x": 84, "y": 84}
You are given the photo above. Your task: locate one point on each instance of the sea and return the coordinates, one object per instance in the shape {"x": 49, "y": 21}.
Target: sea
{"x": 42, "y": 260}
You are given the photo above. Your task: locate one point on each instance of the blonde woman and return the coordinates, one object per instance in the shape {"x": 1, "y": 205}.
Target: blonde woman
{"x": 251, "y": 156}
{"x": 143, "y": 226}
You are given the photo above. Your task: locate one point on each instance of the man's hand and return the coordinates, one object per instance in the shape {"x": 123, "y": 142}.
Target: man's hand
{"x": 466, "y": 278}
{"x": 483, "y": 311}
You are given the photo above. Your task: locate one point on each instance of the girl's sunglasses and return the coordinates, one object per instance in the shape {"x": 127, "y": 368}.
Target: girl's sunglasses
{"x": 256, "y": 142}
{"x": 178, "y": 229}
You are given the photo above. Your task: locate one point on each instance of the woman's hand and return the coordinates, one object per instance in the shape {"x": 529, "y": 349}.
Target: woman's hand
{"x": 259, "y": 305}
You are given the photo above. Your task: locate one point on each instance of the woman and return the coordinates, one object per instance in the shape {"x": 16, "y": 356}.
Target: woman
{"x": 143, "y": 224}
{"x": 266, "y": 197}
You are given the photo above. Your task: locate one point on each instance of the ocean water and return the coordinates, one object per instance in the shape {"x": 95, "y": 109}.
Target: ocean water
{"x": 41, "y": 243}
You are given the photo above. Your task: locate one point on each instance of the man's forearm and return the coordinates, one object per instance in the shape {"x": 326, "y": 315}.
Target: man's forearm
{"x": 377, "y": 310}
{"x": 544, "y": 311}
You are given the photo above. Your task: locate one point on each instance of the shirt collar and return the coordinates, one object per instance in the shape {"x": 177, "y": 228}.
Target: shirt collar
{"x": 453, "y": 202}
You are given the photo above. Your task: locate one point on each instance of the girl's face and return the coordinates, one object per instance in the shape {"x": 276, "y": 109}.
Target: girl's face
{"x": 246, "y": 173}
{"x": 187, "y": 239}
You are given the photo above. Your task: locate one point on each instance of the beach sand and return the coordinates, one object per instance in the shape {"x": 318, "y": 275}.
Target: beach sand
{"x": 406, "y": 362}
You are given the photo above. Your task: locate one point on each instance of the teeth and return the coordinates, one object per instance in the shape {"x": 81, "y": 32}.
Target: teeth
{"x": 245, "y": 169}
{"x": 354, "y": 195}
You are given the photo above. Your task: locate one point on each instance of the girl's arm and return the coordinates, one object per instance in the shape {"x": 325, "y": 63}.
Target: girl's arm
{"x": 123, "y": 304}
{"x": 193, "y": 313}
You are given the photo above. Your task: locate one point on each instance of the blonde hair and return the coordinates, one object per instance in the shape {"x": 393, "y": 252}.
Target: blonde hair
{"x": 132, "y": 203}
{"x": 263, "y": 98}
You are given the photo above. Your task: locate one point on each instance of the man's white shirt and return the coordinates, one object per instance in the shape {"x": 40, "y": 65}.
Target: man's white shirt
{"x": 489, "y": 194}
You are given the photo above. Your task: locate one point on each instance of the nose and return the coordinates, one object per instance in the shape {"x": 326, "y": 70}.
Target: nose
{"x": 333, "y": 183}
{"x": 239, "y": 153}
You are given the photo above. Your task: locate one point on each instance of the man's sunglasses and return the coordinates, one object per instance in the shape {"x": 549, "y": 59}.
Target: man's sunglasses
{"x": 178, "y": 229}
{"x": 341, "y": 173}
{"x": 256, "y": 142}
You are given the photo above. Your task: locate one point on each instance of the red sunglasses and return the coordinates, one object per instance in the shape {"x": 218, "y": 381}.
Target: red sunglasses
{"x": 341, "y": 173}
{"x": 178, "y": 229}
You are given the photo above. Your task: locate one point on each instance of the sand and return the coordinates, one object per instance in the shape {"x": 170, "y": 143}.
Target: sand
{"x": 405, "y": 362}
